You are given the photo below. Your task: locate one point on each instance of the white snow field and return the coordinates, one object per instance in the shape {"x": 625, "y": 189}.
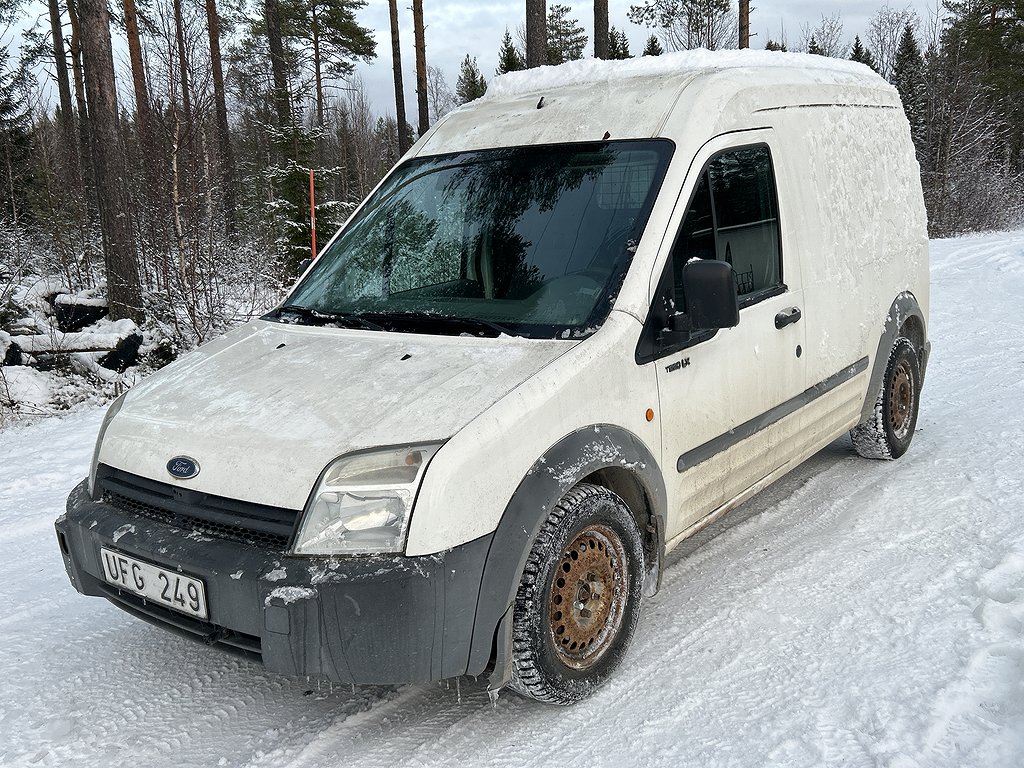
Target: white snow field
{"x": 857, "y": 613}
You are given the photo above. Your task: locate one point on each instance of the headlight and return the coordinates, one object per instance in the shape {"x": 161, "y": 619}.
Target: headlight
{"x": 363, "y": 501}
{"x": 111, "y": 413}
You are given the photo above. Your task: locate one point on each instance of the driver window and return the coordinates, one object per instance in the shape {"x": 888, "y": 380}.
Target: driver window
{"x": 733, "y": 217}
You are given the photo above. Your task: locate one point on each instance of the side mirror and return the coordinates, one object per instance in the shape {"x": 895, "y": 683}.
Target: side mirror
{"x": 304, "y": 265}
{"x": 709, "y": 288}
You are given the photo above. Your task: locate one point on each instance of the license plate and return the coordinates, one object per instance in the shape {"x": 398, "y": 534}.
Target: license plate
{"x": 164, "y": 587}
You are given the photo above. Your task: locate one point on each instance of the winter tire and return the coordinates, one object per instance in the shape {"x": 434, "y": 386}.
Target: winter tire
{"x": 890, "y": 428}
{"x": 579, "y": 597}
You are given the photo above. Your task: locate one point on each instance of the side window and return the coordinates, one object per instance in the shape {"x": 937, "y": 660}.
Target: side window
{"x": 734, "y": 217}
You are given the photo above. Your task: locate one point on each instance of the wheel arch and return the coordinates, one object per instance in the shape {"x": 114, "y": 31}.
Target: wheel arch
{"x": 905, "y": 318}
{"x": 601, "y": 454}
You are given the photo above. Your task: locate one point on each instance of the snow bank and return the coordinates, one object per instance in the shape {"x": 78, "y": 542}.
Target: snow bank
{"x": 79, "y": 300}
{"x": 588, "y": 71}
{"x": 27, "y": 386}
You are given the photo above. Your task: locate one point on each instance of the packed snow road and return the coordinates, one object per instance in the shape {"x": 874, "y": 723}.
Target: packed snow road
{"x": 857, "y": 613}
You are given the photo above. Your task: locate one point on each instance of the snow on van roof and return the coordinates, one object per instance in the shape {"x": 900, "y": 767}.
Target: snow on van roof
{"x": 590, "y": 71}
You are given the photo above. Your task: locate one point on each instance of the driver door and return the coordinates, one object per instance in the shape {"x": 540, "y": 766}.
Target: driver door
{"x": 724, "y": 393}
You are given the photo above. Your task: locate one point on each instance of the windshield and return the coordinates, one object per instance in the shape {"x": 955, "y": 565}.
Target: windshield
{"x": 533, "y": 241}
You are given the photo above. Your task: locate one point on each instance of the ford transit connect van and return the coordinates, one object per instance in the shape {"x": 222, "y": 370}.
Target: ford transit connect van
{"x": 582, "y": 318}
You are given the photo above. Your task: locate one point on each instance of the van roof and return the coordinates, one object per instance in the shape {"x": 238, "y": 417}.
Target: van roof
{"x": 676, "y": 95}
{"x": 769, "y": 66}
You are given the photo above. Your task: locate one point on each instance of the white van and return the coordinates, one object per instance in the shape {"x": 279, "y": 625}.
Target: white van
{"x": 583, "y": 317}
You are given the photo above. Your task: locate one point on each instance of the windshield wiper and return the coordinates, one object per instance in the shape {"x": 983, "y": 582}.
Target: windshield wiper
{"x": 428, "y": 318}
{"x": 316, "y": 317}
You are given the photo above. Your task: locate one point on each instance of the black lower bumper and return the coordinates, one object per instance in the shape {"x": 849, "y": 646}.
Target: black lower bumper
{"x": 367, "y": 620}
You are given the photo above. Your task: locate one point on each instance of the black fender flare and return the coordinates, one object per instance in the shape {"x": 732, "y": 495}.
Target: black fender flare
{"x": 903, "y": 307}
{"x": 563, "y": 465}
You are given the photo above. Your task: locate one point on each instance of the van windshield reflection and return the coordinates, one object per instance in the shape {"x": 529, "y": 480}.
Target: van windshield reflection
{"x": 529, "y": 241}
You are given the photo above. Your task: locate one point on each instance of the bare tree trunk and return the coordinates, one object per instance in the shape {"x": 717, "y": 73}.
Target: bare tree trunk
{"x": 124, "y": 295}
{"x": 318, "y": 76}
{"x": 138, "y": 72}
{"x": 744, "y": 24}
{"x": 600, "y": 29}
{"x": 272, "y": 16}
{"x": 71, "y": 146}
{"x": 536, "y": 33}
{"x": 421, "y": 65}
{"x": 396, "y": 57}
{"x": 67, "y": 114}
{"x": 84, "y": 148}
{"x": 227, "y": 158}
{"x": 179, "y": 33}
{"x": 143, "y": 119}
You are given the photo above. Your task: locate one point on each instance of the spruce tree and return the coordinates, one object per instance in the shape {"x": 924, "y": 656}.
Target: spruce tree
{"x": 813, "y": 47}
{"x": 909, "y": 78}
{"x": 509, "y": 57}
{"x": 566, "y": 38}
{"x": 653, "y": 47}
{"x": 471, "y": 84}
{"x": 772, "y": 45}
{"x": 618, "y": 45}
{"x": 861, "y": 54}
{"x": 15, "y": 140}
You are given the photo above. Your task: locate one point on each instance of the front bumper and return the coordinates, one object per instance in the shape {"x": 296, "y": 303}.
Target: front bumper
{"x": 384, "y": 619}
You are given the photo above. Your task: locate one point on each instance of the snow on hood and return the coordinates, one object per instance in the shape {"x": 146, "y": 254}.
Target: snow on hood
{"x": 265, "y": 408}
{"x": 589, "y": 71}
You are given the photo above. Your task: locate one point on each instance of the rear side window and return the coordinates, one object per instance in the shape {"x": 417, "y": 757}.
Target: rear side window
{"x": 734, "y": 217}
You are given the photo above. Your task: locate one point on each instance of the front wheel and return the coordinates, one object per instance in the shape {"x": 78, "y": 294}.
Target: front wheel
{"x": 579, "y": 597}
{"x": 890, "y": 428}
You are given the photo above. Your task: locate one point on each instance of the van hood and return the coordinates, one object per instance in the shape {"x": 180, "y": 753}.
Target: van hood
{"x": 265, "y": 408}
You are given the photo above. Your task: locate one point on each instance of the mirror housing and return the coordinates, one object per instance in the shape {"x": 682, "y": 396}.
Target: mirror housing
{"x": 709, "y": 287}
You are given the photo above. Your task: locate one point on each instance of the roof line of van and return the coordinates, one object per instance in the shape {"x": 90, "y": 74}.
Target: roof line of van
{"x": 825, "y": 104}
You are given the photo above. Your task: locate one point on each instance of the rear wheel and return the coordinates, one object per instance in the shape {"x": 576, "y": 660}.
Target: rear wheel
{"x": 890, "y": 428}
{"x": 579, "y": 597}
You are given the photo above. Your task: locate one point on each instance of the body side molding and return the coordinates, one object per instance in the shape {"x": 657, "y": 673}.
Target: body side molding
{"x": 749, "y": 428}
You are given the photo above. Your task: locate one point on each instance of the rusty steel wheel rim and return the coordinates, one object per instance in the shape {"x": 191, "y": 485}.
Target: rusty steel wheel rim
{"x": 901, "y": 400}
{"x": 588, "y": 596}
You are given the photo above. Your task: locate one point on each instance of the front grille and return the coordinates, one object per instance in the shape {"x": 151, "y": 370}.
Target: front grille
{"x": 256, "y": 525}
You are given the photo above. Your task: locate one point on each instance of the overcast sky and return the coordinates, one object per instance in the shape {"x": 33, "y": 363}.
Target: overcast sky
{"x": 458, "y": 27}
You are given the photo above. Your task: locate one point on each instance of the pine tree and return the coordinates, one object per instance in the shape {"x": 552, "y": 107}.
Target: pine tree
{"x": 509, "y": 57}
{"x": 471, "y": 83}
{"x": 909, "y": 78}
{"x": 772, "y": 45}
{"x": 688, "y": 24}
{"x": 618, "y": 45}
{"x": 653, "y": 47}
{"x": 15, "y": 140}
{"x": 813, "y": 47}
{"x": 861, "y": 54}
{"x": 566, "y": 38}
{"x": 324, "y": 36}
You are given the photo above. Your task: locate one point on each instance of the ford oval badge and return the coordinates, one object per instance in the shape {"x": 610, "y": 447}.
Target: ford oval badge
{"x": 183, "y": 468}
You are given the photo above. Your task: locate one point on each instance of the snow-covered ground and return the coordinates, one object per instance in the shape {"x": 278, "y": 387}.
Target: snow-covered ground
{"x": 857, "y": 613}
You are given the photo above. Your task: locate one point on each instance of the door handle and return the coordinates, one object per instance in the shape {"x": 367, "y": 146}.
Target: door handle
{"x": 787, "y": 317}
